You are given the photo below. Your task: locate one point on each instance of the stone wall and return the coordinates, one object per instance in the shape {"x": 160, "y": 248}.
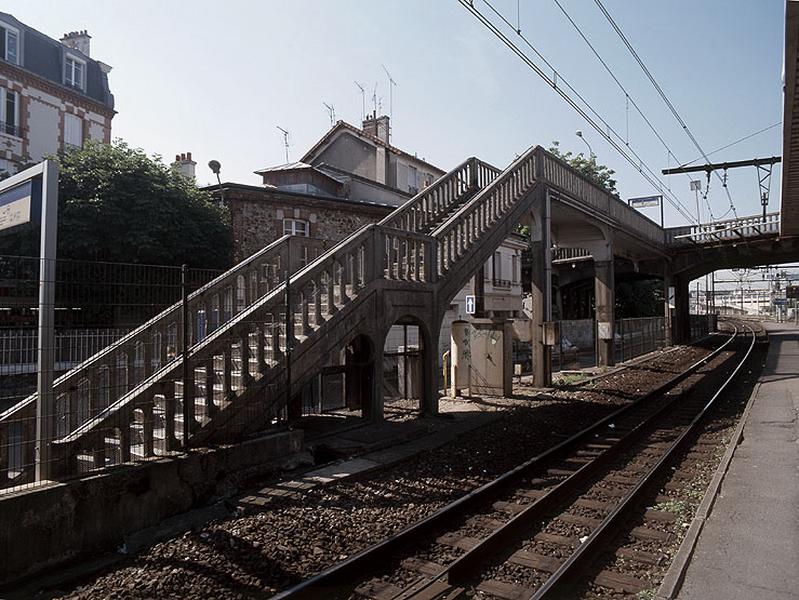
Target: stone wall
{"x": 257, "y": 216}
{"x": 42, "y": 527}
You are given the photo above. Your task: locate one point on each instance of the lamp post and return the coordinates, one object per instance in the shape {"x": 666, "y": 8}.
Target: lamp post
{"x": 579, "y": 134}
{"x": 216, "y": 167}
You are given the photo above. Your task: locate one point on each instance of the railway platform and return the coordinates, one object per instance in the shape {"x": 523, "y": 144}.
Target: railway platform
{"x": 749, "y": 546}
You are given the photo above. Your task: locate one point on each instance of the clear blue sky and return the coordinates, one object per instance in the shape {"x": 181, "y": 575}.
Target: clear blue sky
{"x": 215, "y": 78}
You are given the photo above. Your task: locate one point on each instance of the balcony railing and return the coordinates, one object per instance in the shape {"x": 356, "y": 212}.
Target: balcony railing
{"x": 11, "y": 129}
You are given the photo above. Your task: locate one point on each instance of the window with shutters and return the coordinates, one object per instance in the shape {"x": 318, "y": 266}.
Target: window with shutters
{"x": 9, "y": 112}
{"x": 74, "y": 71}
{"x": 73, "y": 130}
{"x": 9, "y": 38}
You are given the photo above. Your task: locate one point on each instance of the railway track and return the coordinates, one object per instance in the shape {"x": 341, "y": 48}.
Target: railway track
{"x": 534, "y": 531}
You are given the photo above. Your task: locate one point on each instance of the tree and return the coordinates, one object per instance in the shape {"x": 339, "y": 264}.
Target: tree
{"x": 117, "y": 204}
{"x": 589, "y": 167}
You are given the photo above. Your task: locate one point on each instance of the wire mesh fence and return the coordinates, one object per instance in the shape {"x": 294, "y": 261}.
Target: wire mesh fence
{"x": 96, "y": 306}
{"x": 197, "y": 358}
{"x": 638, "y": 336}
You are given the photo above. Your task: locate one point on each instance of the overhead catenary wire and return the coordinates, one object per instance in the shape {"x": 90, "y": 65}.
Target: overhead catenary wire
{"x": 555, "y": 83}
{"x": 629, "y": 100}
{"x": 662, "y": 94}
{"x": 731, "y": 144}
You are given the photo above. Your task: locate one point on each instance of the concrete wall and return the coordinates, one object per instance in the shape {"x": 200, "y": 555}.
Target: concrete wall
{"x": 45, "y": 526}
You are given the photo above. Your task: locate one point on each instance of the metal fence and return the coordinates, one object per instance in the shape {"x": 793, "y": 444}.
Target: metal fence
{"x": 635, "y": 337}
{"x": 96, "y": 305}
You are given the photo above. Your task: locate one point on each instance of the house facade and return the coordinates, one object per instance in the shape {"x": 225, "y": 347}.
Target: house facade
{"x": 52, "y": 94}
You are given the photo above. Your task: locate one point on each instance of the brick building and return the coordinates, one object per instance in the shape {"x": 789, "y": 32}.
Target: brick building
{"x": 52, "y": 93}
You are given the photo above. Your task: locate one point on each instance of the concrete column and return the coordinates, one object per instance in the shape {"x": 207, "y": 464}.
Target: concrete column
{"x": 604, "y": 300}
{"x": 541, "y": 367}
{"x": 682, "y": 324}
{"x": 460, "y": 356}
{"x": 429, "y": 401}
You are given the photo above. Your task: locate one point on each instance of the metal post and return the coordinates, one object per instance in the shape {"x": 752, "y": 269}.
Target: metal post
{"x": 546, "y": 239}
{"x": 662, "y": 226}
{"x": 187, "y": 413}
{"x": 45, "y": 405}
{"x": 405, "y": 359}
{"x": 290, "y": 322}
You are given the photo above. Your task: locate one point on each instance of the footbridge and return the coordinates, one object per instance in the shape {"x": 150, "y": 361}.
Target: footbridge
{"x": 236, "y": 359}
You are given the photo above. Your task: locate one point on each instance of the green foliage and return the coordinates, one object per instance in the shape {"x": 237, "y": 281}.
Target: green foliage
{"x": 117, "y": 204}
{"x": 589, "y": 167}
{"x": 639, "y": 299}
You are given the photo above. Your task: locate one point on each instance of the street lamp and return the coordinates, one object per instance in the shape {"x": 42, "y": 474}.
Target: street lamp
{"x": 216, "y": 167}
{"x": 579, "y": 134}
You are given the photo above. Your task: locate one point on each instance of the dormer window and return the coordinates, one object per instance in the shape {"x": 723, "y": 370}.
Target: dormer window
{"x": 74, "y": 70}
{"x": 9, "y": 37}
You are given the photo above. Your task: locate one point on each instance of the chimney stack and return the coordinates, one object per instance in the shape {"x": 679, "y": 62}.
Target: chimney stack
{"x": 184, "y": 165}
{"x": 378, "y": 127}
{"x": 77, "y": 40}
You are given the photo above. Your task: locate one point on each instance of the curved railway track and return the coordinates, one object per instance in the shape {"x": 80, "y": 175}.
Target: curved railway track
{"x": 532, "y": 532}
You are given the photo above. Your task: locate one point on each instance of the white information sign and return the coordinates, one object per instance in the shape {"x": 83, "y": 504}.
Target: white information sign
{"x": 15, "y": 206}
{"x": 471, "y": 305}
{"x": 645, "y": 201}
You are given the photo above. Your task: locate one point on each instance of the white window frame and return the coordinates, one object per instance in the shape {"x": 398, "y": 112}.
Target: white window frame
{"x": 3, "y": 117}
{"x": 15, "y": 32}
{"x": 292, "y": 227}
{"x": 413, "y": 179}
{"x": 75, "y": 61}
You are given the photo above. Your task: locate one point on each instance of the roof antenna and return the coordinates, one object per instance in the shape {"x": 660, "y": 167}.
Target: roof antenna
{"x": 285, "y": 141}
{"x": 374, "y": 99}
{"x": 332, "y": 112}
{"x": 391, "y": 85}
{"x": 363, "y": 100}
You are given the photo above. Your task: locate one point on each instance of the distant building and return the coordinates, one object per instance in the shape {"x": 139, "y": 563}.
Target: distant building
{"x": 52, "y": 94}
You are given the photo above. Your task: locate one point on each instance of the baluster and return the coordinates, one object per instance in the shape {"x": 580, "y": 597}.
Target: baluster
{"x": 277, "y": 353}
{"x": 417, "y": 262}
{"x": 405, "y": 260}
{"x": 148, "y": 426}
{"x": 244, "y": 345}
{"x": 189, "y": 395}
{"x": 210, "y": 380}
{"x": 170, "y": 439}
{"x": 306, "y": 301}
{"x": 342, "y": 282}
{"x": 147, "y": 357}
{"x": 227, "y": 374}
{"x": 317, "y": 298}
{"x": 260, "y": 350}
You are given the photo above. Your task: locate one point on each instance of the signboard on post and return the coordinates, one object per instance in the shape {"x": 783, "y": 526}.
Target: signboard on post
{"x": 20, "y": 204}
{"x": 31, "y": 196}
{"x": 471, "y": 305}
{"x": 645, "y": 201}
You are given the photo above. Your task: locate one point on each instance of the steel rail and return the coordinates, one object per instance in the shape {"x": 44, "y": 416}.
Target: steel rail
{"x": 565, "y": 577}
{"x": 355, "y": 566}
